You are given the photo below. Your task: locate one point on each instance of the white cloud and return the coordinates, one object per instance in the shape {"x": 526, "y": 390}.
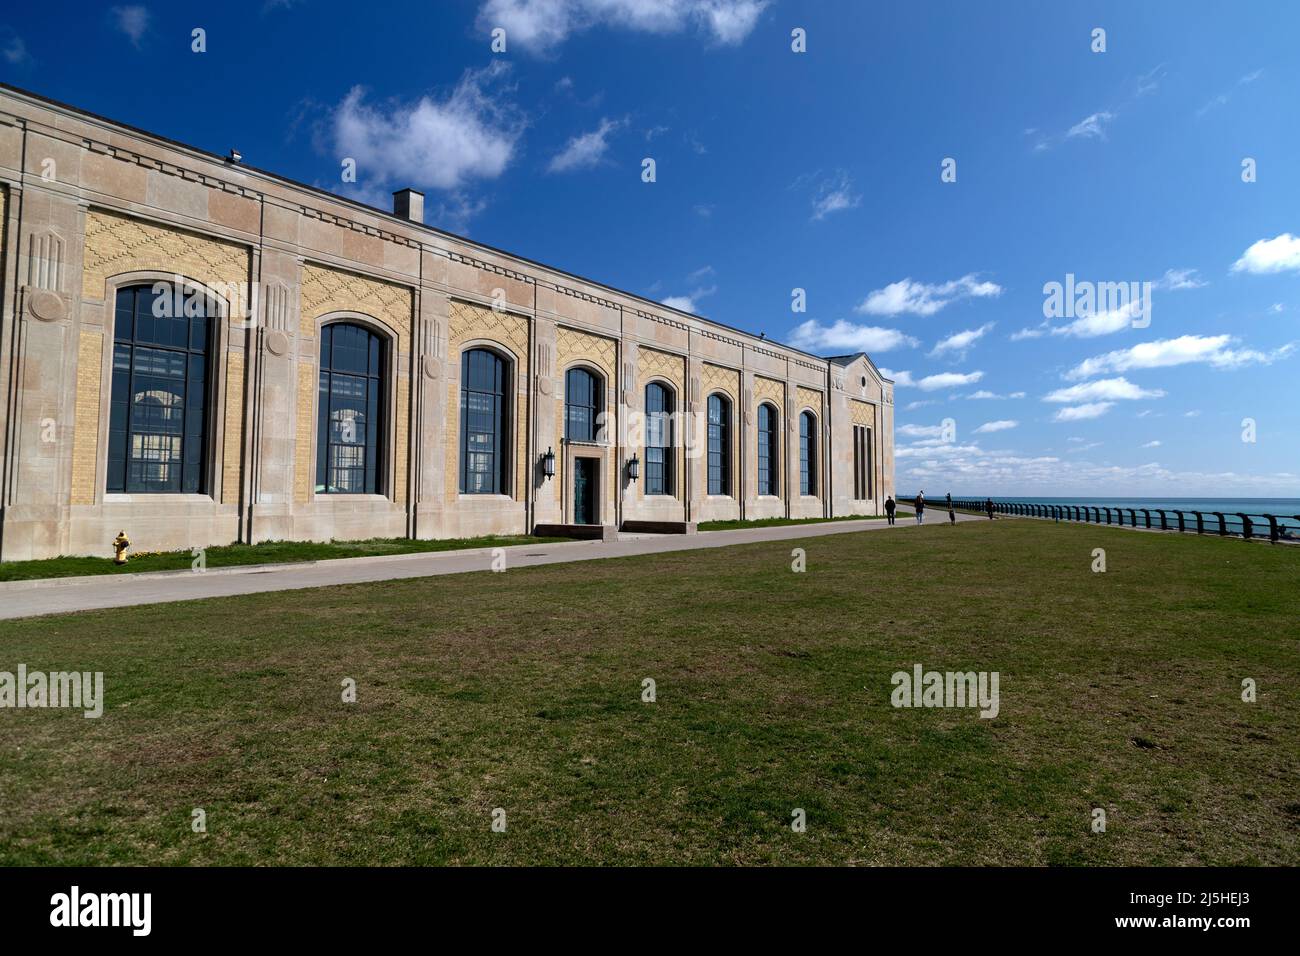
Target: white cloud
{"x": 1105, "y": 389}
{"x": 442, "y": 144}
{"x": 1175, "y": 279}
{"x": 919, "y": 431}
{"x": 541, "y": 25}
{"x": 1091, "y": 127}
{"x": 933, "y": 383}
{"x": 985, "y": 393}
{"x": 998, "y": 426}
{"x": 133, "y": 21}
{"x": 1035, "y": 333}
{"x": 1221, "y": 99}
{"x": 902, "y": 379}
{"x": 1162, "y": 353}
{"x": 935, "y": 448}
{"x": 1155, "y": 443}
{"x": 1102, "y": 323}
{"x": 919, "y": 403}
{"x": 584, "y": 151}
{"x": 843, "y": 336}
{"x": 834, "y": 194}
{"x": 1078, "y": 413}
{"x": 960, "y": 341}
{"x": 1279, "y": 254}
{"x": 731, "y": 22}
{"x": 1004, "y": 473}
{"x": 919, "y": 298}
{"x": 1195, "y": 413}
{"x": 13, "y": 49}
{"x": 682, "y": 302}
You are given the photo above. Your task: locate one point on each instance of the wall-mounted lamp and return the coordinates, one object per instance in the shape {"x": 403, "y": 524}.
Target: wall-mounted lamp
{"x": 548, "y": 463}
{"x": 634, "y": 468}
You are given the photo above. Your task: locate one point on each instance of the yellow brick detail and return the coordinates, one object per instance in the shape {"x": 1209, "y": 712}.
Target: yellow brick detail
{"x": 769, "y": 390}
{"x": 85, "y": 437}
{"x": 304, "y": 464}
{"x": 573, "y": 346}
{"x": 116, "y": 244}
{"x": 809, "y": 398}
{"x": 862, "y": 412}
{"x": 233, "y": 450}
{"x": 467, "y": 323}
{"x": 327, "y": 290}
{"x": 718, "y": 379}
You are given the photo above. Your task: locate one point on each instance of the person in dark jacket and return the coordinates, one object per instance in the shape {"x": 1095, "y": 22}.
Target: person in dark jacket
{"x": 988, "y": 506}
{"x": 920, "y": 508}
{"x": 890, "y": 505}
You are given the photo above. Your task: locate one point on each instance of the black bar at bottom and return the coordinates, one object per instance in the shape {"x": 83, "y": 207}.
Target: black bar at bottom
{"x": 329, "y": 905}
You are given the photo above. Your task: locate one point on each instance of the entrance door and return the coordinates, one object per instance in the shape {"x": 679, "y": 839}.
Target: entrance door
{"x": 584, "y": 490}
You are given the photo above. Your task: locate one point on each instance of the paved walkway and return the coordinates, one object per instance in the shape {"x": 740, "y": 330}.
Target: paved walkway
{"x": 63, "y": 595}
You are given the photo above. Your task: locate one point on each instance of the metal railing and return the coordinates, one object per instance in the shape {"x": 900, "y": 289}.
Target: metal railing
{"x": 1239, "y": 524}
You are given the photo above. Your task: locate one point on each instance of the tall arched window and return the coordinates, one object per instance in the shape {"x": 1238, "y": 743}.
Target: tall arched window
{"x": 484, "y": 423}
{"x": 158, "y": 414}
{"x": 582, "y": 405}
{"x": 349, "y": 416}
{"x": 807, "y": 454}
{"x": 769, "y": 428}
{"x": 659, "y": 477}
{"x": 719, "y": 445}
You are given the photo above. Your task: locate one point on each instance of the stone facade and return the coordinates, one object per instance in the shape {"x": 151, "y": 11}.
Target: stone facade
{"x": 89, "y": 207}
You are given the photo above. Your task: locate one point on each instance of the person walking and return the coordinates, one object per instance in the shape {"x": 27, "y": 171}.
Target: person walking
{"x": 952, "y": 513}
{"x": 988, "y": 506}
{"x": 920, "y": 508}
{"x": 890, "y": 505}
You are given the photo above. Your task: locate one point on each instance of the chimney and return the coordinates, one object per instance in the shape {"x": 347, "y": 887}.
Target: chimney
{"x": 409, "y": 204}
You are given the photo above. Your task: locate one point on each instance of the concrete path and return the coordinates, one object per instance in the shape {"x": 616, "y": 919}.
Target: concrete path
{"x": 64, "y": 595}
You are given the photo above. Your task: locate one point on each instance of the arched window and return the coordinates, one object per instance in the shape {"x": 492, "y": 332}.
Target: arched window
{"x": 807, "y": 454}
{"x": 768, "y": 452}
{"x": 719, "y": 445}
{"x": 658, "y": 440}
{"x": 158, "y": 414}
{"x": 349, "y": 417}
{"x": 582, "y": 405}
{"x": 484, "y": 423}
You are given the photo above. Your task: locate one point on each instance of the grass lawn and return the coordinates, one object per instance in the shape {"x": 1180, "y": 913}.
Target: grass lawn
{"x": 232, "y": 555}
{"x": 781, "y": 522}
{"x": 522, "y": 690}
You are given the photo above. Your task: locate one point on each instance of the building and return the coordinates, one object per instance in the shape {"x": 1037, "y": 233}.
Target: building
{"x": 198, "y": 352}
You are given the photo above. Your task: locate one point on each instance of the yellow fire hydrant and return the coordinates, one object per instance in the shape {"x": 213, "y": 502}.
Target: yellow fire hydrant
{"x": 120, "y": 544}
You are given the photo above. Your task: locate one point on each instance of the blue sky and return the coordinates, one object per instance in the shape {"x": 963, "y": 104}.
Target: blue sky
{"x": 820, "y": 171}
